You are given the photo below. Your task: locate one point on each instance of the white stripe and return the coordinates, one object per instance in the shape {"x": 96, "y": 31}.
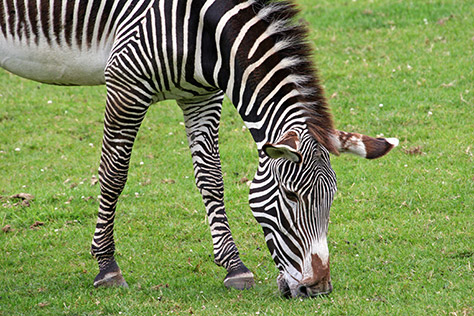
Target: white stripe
{"x": 155, "y": 51}
{"x": 130, "y": 15}
{"x": 104, "y": 40}
{"x": 7, "y": 25}
{"x": 272, "y": 29}
{"x": 28, "y": 20}
{"x": 63, "y": 21}
{"x": 85, "y": 25}
{"x": 50, "y": 21}
{"x": 198, "y": 73}
{"x": 278, "y": 46}
{"x": 74, "y": 24}
{"x": 187, "y": 16}
{"x": 285, "y": 251}
{"x": 283, "y": 64}
{"x": 233, "y": 53}
{"x": 95, "y": 32}
{"x": 174, "y": 16}
{"x": 163, "y": 40}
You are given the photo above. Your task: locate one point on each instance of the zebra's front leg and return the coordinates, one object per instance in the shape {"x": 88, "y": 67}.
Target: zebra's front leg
{"x": 202, "y": 128}
{"x": 123, "y": 117}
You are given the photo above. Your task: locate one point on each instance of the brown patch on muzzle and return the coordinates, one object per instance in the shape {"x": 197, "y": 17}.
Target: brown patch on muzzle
{"x": 320, "y": 282}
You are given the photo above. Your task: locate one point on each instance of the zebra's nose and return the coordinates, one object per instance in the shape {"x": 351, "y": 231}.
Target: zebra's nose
{"x": 302, "y": 291}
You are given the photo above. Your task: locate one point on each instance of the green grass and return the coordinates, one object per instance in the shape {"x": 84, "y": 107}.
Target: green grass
{"x": 402, "y": 228}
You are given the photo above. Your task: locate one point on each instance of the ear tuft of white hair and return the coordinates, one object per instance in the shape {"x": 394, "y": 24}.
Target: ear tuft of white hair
{"x": 362, "y": 145}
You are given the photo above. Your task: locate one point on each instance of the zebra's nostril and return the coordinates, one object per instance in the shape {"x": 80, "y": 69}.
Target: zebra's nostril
{"x": 303, "y": 291}
{"x": 329, "y": 287}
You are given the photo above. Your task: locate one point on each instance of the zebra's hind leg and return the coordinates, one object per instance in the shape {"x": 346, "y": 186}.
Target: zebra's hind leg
{"x": 202, "y": 127}
{"x": 124, "y": 113}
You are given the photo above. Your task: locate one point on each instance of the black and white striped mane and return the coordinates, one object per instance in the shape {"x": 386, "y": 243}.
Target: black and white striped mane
{"x": 293, "y": 35}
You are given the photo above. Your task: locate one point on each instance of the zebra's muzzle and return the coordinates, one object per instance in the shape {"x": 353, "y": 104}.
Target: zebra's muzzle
{"x": 296, "y": 289}
{"x": 314, "y": 291}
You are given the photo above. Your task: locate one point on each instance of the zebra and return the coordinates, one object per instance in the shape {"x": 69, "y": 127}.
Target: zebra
{"x": 196, "y": 52}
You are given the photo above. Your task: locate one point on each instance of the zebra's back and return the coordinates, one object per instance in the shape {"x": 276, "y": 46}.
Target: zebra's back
{"x": 62, "y": 42}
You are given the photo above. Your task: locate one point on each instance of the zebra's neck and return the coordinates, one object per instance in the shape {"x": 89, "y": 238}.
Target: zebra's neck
{"x": 263, "y": 65}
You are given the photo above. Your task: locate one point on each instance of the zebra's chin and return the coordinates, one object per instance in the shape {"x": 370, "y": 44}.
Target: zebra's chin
{"x": 291, "y": 288}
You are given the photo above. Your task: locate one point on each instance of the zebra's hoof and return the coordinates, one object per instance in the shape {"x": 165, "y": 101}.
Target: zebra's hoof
{"x": 110, "y": 279}
{"x": 239, "y": 279}
{"x": 110, "y": 276}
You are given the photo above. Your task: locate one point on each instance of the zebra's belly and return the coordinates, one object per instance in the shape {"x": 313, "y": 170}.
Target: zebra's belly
{"x": 54, "y": 64}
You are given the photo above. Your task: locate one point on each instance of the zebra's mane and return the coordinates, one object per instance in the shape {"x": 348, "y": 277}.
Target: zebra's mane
{"x": 292, "y": 34}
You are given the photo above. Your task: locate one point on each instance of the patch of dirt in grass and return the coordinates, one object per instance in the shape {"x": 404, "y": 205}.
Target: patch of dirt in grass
{"x": 24, "y": 200}
{"x": 168, "y": 181}
{"x": 416, "y": 150}
{"x": 463, "y": 254}
{"x": 245, "y": 180}
{"x": 157, "y": 287}
{"x": 36, "y": 224}
{"x": 443, "y": 21}
{"x": 94, "y": 180}
{"x": 43, "y": 304}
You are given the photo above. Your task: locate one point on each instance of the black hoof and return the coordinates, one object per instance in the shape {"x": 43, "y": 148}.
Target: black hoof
{"x": 110, "y": 276}
{"x": 240, "y": 279}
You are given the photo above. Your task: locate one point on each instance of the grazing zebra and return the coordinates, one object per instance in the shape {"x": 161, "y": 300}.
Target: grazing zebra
{"x": 194, "y": 51}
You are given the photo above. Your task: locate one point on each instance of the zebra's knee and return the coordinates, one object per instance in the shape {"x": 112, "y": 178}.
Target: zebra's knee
{"x": 102, "y": 252}
{"x": 211, "y": 193}
{"x": 103, "y": 245}
{"x": 210, "y": 187}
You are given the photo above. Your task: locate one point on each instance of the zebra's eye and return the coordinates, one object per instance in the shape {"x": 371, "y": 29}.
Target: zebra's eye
{"x": 292, "y": 196}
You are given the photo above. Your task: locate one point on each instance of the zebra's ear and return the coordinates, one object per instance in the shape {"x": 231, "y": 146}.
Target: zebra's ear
{"x": 362, "y": 145}
{"x": 286, "y": 147}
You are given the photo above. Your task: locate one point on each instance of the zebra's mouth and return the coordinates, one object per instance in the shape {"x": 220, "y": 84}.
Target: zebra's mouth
{"x": 314, "y": 291}
{"x": 300, "y": 290}
{"x": 283, "y": 286}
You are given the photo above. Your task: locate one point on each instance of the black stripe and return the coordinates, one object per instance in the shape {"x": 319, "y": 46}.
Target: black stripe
{"x": 21, "y": 27}
{"x": 80, "y": 21}
{"x": 57, "y": 23}
{"x": 92, "y": 21}
{"x": 3, "y": 23}
{"x": 44, "y": 17}
{"x": 11, "y": 13}
{"x": 69, "y": 18}
{"x": 103, "y": 19}
{"x": 33, "y": 17}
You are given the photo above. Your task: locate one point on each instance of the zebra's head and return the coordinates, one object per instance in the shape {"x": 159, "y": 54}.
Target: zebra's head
{"x": 290, "y": 197}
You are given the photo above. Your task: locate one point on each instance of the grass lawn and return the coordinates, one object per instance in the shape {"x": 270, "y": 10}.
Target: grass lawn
{"x": 401, "y": 236}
